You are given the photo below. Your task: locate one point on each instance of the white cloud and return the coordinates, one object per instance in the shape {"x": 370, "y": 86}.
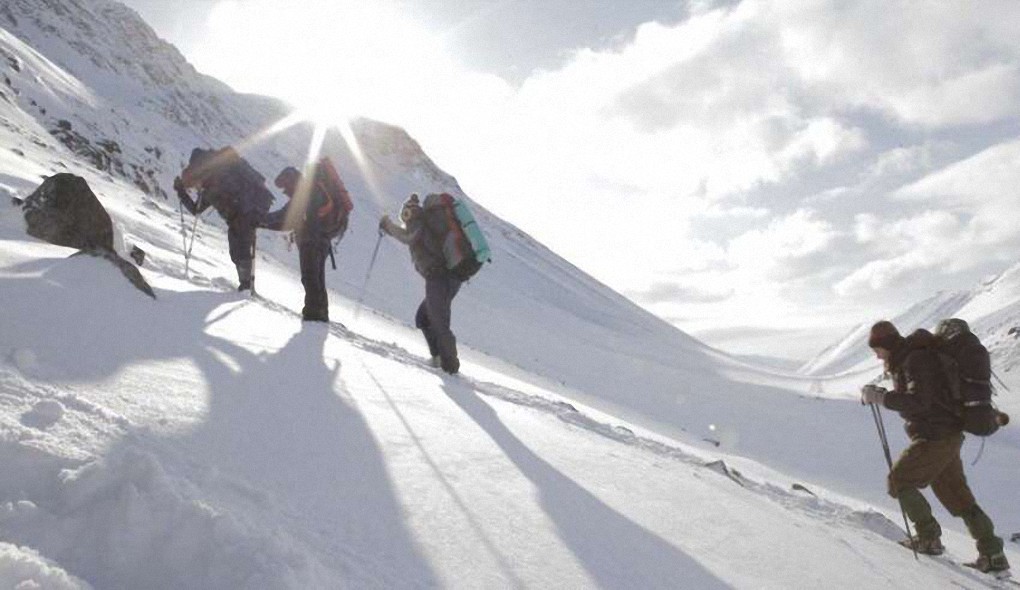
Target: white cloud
{"x": 984, "y": 187}
{"x": 866, "y": 228}
{"x": 879, "y": 275}
{"x": 922, "y": 62}
{"x": 787, "y": 239}
{"x": 931, "y": 242}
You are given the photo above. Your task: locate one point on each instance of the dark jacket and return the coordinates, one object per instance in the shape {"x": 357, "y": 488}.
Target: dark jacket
{"x": 307, "y": 224}
{"x": 228, "y": 194}
{"x": 921, "y": 391}
{"x": 426, "y": 247}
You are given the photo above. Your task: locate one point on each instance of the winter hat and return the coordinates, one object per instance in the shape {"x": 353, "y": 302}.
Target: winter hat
{"x": 884, "y": 335}
{"x": 288, "y": 177}
{"x": 410, "y": 209}
{"x": 197, "y": 166}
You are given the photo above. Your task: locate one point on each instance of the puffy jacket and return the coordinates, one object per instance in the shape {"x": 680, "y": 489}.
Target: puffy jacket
{"x": 921, "y": 392}
{"x": 426, "y": 246}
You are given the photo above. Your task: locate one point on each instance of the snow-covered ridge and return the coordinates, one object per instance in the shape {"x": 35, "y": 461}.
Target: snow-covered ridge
{"x": 852, "y": 350}
{"x": 992, "y": 308}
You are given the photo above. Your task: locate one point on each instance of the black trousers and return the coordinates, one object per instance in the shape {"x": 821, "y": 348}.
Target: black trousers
{"x": 434, "y": 315}
{"x": 312, "y": 255}
{"x": 241, "y": 238}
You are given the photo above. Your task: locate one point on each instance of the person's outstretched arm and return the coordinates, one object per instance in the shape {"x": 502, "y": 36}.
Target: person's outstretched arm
{"x": 182, "y": 194}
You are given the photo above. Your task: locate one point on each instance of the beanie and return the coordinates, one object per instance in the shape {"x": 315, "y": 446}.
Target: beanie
{"x": 288, "y": 177}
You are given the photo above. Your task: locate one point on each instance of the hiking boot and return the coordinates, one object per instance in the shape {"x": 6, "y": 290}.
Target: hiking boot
{"x": 990, "y": 563}
{"x": 246, "y": 285}
{"x": 929, "y": 546}
{"x": 315, "y": 318}
{"x": 436, "y": 362}
{"x": 450, "y": 365}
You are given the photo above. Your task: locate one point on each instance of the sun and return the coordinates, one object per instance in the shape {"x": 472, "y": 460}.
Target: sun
{"x": 333, "y": 60}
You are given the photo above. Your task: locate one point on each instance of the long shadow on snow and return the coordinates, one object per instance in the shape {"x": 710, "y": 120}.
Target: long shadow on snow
{"x": 292, "y": 450}
{"x": 279, "y": 425}
{"x": 615, "y": 551}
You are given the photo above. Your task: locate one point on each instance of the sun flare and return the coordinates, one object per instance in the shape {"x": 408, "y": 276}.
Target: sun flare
{"x": 332, "y": 60}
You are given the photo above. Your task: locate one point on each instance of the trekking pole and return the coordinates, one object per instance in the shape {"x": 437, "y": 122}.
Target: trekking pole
{"x": 187, "y": 255}
{"x": 1000, "y": 382}
{"x": 184, "y": 237}
{"x": 194, "y": 230}
{"x": 254, "y": 255}
{"x": 368, "y": 274}
{"x": 876, "y": 413}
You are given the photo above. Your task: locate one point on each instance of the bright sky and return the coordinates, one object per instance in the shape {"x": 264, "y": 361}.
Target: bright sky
{"x": 762, "y": 173}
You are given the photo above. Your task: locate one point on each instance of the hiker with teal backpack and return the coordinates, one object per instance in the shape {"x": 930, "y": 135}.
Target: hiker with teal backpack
{"x": 447, "y": 248}
{"x": 923, "y": 395}
{"x": 317, "y": 212}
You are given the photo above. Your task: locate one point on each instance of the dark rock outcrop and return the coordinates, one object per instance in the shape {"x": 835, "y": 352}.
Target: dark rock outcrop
{"x": 65, "y": 211}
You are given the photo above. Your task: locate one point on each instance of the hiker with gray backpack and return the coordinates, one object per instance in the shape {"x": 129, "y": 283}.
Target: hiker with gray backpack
{"x": 227, "y": 183}
{"x": 447, "y": 248}
{"x": 926, "y": 394}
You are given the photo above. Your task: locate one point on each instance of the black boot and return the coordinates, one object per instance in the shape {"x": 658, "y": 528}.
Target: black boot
{"x": 245, "y": 278}
{"x": 450, "y": 365}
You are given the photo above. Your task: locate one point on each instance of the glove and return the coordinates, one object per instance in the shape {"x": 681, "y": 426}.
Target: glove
{"x": 873, "y": 394}
{"x": 384, "y": 224}
{"x": 179, "y": 188}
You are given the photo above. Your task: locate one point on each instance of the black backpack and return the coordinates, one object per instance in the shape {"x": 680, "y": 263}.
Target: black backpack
{"x": 968, "y": 369}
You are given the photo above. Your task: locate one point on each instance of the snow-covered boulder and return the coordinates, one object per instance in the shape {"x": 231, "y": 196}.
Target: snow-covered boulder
{"x": 64, "y": 211}
{"x": 129, "y": 270}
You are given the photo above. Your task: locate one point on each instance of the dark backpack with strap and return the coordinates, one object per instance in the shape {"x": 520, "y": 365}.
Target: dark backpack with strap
{"x": 249, "y": 194}
{"x": 968, "y": 370}
{"x": 332, "y": 216}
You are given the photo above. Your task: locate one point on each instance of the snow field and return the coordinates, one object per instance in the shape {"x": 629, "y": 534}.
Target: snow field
{"x": 287, "y": 456}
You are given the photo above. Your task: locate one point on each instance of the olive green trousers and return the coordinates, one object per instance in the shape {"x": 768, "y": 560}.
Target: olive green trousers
{"x": 937, "y": 463}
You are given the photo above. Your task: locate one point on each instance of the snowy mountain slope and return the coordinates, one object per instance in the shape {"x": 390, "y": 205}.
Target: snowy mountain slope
{"x": 118, "y": 92}
{"x": 852, "y": 351}
{"x": 992, "y": 309}
{"x": 124, "y": 419}
{"x": 207, "y": 440}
